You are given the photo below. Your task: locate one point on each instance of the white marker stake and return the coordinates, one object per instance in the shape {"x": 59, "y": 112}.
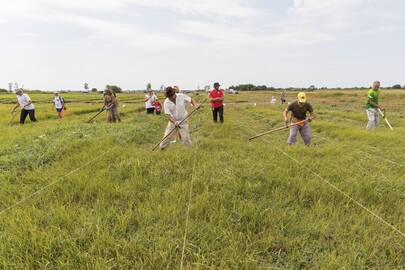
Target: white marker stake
{"x": 385, "y": 118}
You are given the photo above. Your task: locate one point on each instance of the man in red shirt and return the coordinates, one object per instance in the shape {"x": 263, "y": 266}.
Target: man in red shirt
{"x": 217, "y": 103}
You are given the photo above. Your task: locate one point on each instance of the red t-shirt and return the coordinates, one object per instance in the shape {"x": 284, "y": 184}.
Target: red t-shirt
{"x": 217, "y": 94}
{"x": 158, "y": 106}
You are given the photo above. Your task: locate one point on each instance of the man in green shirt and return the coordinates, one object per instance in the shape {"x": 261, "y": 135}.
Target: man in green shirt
{"x": 372, "y": 106}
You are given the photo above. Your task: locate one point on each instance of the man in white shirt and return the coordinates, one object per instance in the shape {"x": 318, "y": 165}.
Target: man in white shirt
{"x": 175, "y": 109}
{"x": 59, "y": 104}
{"x": 27, "y": 108}
{"x": 150, "y": 100}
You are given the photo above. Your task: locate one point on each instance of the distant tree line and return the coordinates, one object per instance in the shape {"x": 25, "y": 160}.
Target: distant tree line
{"x": 252, "y": 87}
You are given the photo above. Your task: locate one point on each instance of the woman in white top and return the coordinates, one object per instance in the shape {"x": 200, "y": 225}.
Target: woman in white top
{"x": 59, "y": 104}
{"x": 27, "y": 108}
{"x": 150, "y": 100}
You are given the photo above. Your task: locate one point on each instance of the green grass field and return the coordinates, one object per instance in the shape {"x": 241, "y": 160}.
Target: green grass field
{"x": 92, "y": 196}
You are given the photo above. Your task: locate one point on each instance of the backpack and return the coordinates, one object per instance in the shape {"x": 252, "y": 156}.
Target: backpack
{"x": 62, "y": 100}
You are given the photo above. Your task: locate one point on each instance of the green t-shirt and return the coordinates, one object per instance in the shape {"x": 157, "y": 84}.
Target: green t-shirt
{"x": 373, "y": 96}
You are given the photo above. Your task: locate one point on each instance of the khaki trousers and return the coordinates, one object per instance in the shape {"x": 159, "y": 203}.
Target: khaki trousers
{"x": 182, "y": 132}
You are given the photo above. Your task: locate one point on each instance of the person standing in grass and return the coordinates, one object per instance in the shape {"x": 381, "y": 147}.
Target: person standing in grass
{"x": 150, "y": 99}
{"x": 27, "y": 107}
{"x": 372, "y": 106}
{"x": 283, "y": 97}
{"x": 299, "y": 112}
{"x": 175, "y": 108}
{"x": 59, "y": 104}
{"x": 111, "y": 106}
{"x": 217, "y": 103}
{"x": 158, "y": 107}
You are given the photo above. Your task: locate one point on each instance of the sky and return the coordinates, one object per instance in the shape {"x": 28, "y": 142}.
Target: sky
{"x": 61, "y": 44}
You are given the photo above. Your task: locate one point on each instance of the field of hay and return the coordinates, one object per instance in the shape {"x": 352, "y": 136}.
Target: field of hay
{"x": 92, "y": 196}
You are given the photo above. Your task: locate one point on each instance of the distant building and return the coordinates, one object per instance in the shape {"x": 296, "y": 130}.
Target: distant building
{"x": 231, "y": 91}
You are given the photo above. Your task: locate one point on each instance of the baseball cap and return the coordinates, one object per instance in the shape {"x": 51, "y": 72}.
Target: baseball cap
{"x": 302, "y": 97}
{"x": 216, "y": 84}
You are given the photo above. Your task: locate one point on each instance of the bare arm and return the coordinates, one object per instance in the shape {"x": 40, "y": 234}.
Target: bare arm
{"x": 171, "y": 119}
{"x": 28, "y": 104}
{"x": 104, "y": 105}
{"x": 311, "y": 116}
{"x": 217, "y": 99}
{"x": 285, "y": 114}
{"x": 375, "y": 105}
{"x": 194, "y": 103}
{"x": 15, "y": 107}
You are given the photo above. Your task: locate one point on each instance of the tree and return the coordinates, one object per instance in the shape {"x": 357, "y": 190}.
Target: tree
{"x": 86, "y": 86}
{"x": 149, "y": 86}
{"x": 115, "y": 88}
{"x": 94, "y": 90}
{"x": 397, "y": 86}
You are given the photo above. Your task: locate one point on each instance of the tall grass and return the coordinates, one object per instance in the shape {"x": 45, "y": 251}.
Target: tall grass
{"x": 251, "y": 207}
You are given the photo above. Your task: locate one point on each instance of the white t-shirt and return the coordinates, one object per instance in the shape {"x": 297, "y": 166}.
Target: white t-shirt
{"x": 178, "y": 110}
{"x": 58, "y": 102}
{"x": 23, "y": 100}
{"x": 150, "y": 101}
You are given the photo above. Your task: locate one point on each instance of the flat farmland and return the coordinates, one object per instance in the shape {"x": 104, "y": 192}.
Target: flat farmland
{"x": 93, "y": 196}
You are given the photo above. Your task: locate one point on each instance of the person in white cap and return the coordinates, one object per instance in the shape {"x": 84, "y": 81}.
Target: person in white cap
{"x": 59, "y": 104}
{"x": 27, "y": 107}
{"x": 299, "y": 110}
{"x": 150, "y": 99}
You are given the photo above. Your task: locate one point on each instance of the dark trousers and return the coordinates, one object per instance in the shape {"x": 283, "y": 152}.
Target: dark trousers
{"x": 24, "y": 114}
{"x": 218, "y": 111}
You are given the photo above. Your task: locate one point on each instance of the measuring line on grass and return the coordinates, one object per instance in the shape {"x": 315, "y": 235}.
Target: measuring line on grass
{"x": 367, "y": 154}
{"x": 52, "y": 183}
{"x": 362, "y": 206}
{"x": 190, "y": 195}
{"x": 343, "y": 193}
{"x": 359, "y": 204}
{"x": 49, "y": 185}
